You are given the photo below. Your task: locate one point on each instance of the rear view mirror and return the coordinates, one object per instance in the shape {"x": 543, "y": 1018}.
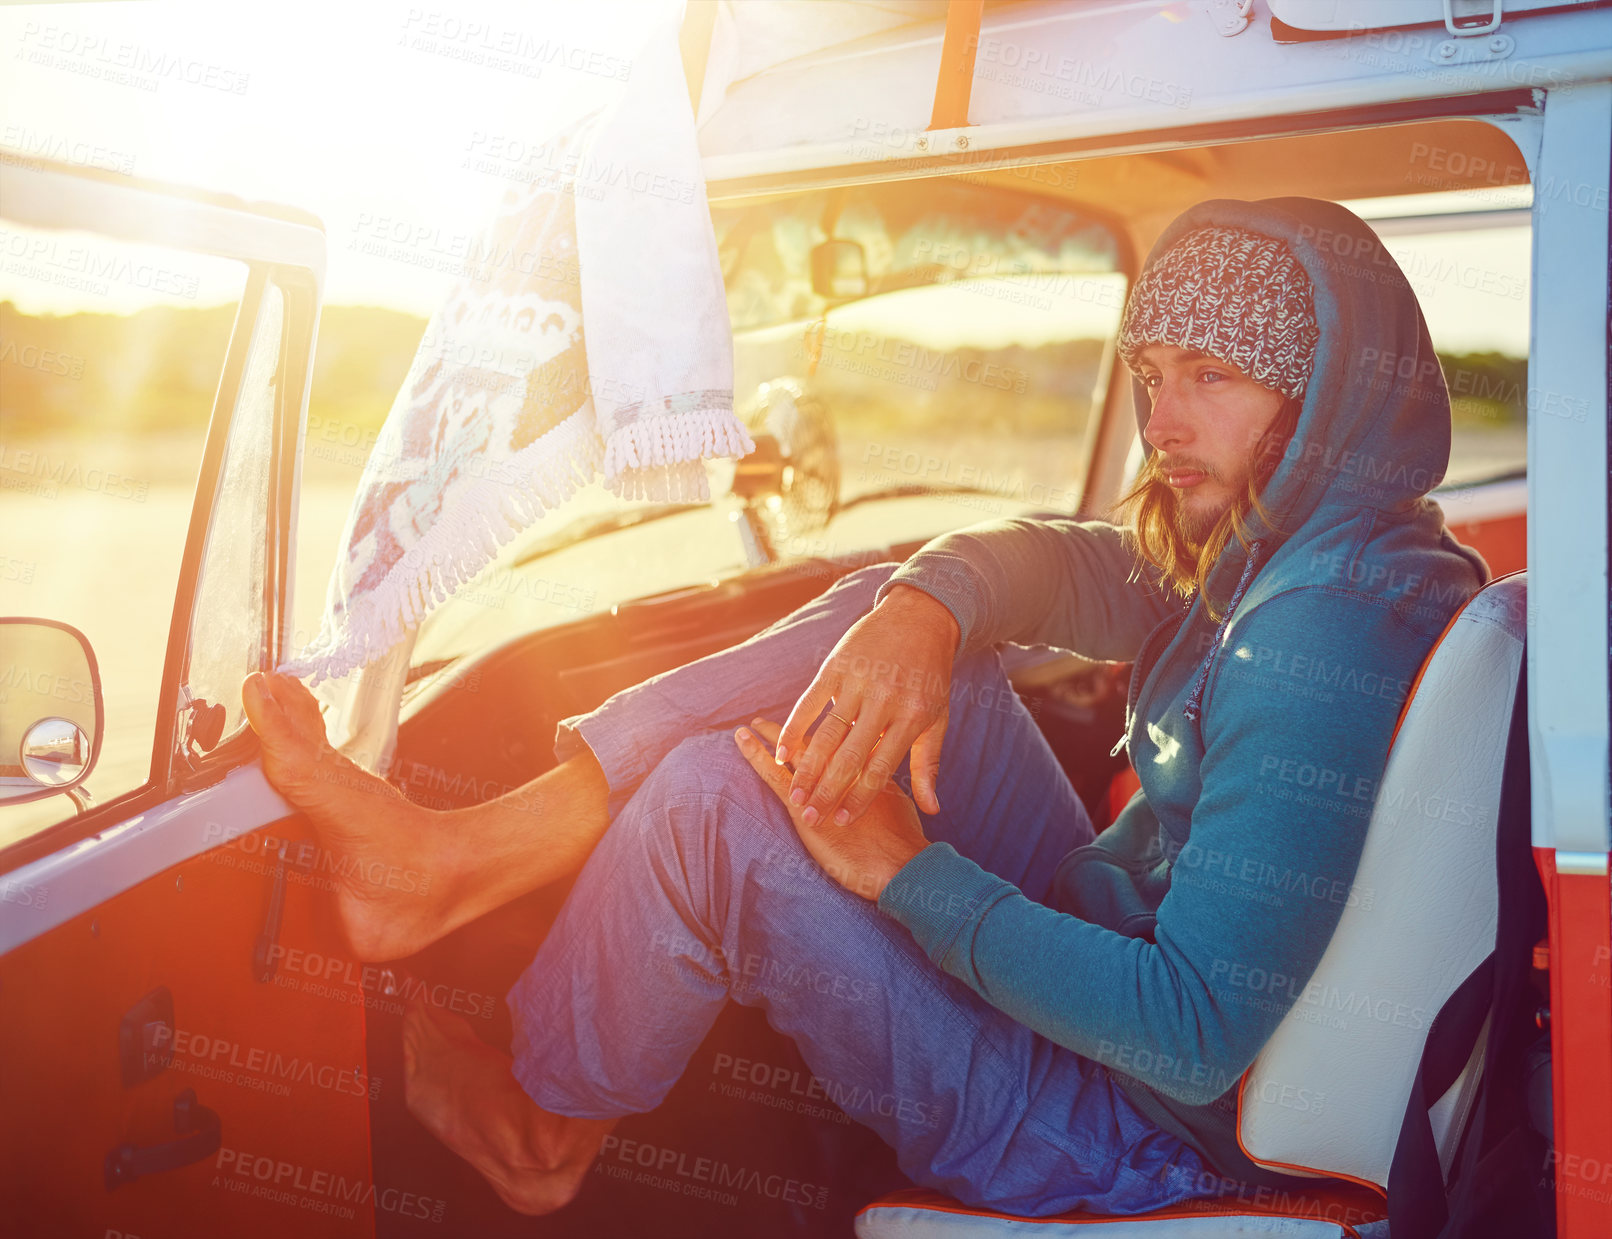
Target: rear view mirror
{"x": 839, "y": 270}
{"x": 50, "y": 709}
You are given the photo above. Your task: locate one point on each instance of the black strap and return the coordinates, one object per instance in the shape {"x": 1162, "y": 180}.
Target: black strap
{"x": 1496, "y": 1183}
{"x": 1419, "y": 1205}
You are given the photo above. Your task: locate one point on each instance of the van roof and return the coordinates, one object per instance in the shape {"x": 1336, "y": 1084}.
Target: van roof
{"x": 171, "y": 189}
{"x": 1058, "y": 79}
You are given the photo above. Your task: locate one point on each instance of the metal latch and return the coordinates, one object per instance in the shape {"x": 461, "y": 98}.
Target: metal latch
{"x": 201, "y": 726}
{"x": 1472, "y": 51}
{"x": 1463, "y": 30}
{"x": 1463, "y": 49}
{"x": 1230, "y": 16}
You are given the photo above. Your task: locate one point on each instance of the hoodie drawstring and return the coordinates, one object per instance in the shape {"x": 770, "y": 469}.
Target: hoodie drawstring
{"x": 1194, "y": 705}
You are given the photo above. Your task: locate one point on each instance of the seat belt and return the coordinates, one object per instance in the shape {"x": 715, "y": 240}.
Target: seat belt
{"x": 1492, "y": 1185}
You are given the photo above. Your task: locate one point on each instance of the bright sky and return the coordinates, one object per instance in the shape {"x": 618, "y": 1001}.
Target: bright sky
{"x": 365, "y": 114}
{"x": 383, "y": 117}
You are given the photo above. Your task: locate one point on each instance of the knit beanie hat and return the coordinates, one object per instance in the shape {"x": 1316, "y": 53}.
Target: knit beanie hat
{"x": 1233, "y": 294}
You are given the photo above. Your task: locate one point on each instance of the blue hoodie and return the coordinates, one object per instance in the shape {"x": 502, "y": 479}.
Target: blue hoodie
{"x": 1175, "y": 944}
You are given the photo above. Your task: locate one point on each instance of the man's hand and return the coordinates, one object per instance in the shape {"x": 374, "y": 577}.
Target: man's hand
{"x": 887, "y": 684}
{"x": 861, "y": 857}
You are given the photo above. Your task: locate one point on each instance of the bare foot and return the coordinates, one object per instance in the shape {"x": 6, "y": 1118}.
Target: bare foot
{"x": 462, "y": 1091}
{"x": 393, "y": 864}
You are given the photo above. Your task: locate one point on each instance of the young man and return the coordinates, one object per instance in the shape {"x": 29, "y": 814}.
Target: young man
{"x": 1063, "y": 1019}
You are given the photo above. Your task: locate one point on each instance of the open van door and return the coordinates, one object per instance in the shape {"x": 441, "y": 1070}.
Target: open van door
{"x": 182, "y": 1042}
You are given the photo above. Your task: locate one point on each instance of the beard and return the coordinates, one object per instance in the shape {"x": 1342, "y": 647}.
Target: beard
{"x": 1194, "y": 524}
{"x": 1192, "y": 521}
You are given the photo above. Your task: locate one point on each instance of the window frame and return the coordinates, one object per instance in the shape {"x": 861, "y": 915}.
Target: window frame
{"x": 272, "y": 242}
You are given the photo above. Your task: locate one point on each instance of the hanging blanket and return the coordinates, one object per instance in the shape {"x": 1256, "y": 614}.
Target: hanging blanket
{"x": 509, "y": 406}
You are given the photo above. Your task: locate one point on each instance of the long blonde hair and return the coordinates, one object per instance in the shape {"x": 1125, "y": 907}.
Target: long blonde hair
{"x": 1147, "y": 511}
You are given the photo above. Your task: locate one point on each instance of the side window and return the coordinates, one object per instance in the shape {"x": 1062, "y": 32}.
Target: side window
{"x": 230, "y": 617}
{"x": 110, "y": 356}
{"x": 1467, "y": 256}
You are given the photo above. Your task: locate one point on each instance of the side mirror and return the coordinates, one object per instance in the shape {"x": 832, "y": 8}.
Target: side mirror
{"x": 51, "y": 715}
{"x": 839, "y": 270}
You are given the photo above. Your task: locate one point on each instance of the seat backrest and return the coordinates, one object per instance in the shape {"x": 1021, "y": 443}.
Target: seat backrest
{"x": 1327, "y": 1094}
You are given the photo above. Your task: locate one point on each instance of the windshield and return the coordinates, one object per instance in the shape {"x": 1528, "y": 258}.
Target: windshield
{"x": 958, "y": 387}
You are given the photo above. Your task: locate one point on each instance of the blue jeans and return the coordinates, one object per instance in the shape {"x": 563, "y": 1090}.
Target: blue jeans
{"x": 701, "y": 891}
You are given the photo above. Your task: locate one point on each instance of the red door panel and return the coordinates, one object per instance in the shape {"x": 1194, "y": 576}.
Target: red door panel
{"x": 1501, "y": 540}
{"x": 279, "y": 1061}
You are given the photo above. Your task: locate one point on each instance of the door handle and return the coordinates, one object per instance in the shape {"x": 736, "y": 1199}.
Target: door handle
{"x": 201, "y": 1134}
{"x": 265, "y": 960}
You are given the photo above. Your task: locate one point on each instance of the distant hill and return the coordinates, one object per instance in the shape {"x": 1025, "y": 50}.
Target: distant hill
{"x": 156, "y": 370}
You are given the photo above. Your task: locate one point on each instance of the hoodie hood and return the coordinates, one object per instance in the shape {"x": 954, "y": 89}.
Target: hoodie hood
{"x": 1374, "y": 429}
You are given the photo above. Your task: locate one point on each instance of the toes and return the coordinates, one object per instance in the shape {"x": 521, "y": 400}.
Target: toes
{"x": 287, "y": 758}
{"x": 262, "y": 710}
{"x": 298, "y": 702}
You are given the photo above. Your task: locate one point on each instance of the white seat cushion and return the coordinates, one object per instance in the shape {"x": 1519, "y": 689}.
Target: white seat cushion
{"x": 1421, "y": 916}
{"x": 917, "y": 1214}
